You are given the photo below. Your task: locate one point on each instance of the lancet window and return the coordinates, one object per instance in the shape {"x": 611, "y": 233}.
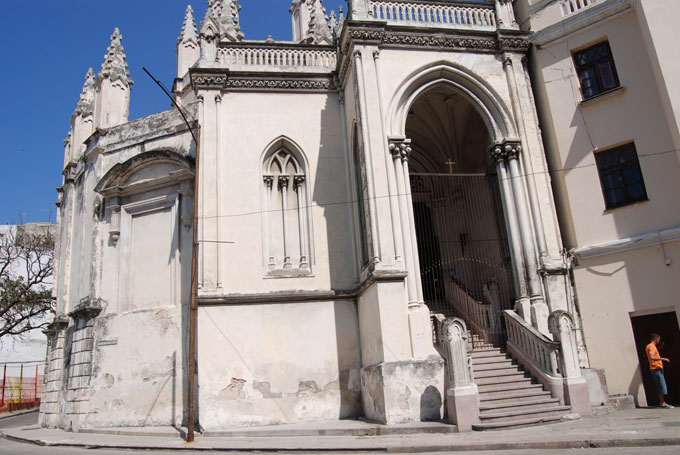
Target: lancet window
{"x": 286, "y": 213}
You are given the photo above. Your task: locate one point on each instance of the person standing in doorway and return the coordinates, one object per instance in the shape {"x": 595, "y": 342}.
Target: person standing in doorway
{"x": 656, "y": 366}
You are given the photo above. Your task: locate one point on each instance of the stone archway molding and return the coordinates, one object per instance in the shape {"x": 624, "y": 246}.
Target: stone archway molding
{"x": 486, "y": 100}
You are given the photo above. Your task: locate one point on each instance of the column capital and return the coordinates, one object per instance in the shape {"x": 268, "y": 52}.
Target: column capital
{"x": 268, "y": 180}
{"x": 298, "y": 180}
{"x": 283, "y": 181}
{"x": 506, "y": 151}
{"x": 400, "y": 147}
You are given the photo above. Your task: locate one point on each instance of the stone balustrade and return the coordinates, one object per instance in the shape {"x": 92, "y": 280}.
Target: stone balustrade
{"x": 427, "y": 13}
{"x": 478, "y": 315}
{"x": 543, "y": 352}
{"x": 574, "y": 6}
{"x": 267, "y": 57}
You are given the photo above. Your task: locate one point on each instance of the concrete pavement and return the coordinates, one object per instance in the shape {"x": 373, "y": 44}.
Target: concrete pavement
{"x": 625, "y": 428}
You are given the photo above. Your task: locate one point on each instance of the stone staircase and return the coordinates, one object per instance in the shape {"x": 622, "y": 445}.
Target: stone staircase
{"x": 508, "y": 396}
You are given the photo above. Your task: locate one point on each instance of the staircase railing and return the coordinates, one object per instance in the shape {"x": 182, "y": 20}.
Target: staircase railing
{"x": 482, "y": 317}
{"x": 554, "y": 363}
{"x": 462, "y": 396}
{"x": 541, "y": 350}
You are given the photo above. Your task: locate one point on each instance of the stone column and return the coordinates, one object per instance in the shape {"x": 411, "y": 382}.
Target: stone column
{"x": 397, "y": 236}
{"x": 373, "y": 218}
{"x": 201, "y": 198}
{"x": 539, "y": 310}
{"x": 218, "y": 191}
{"x": 419, "y": 315}
{"x": 299, "y": 181}
{"x": 283, "y": 186}
{"x": 523, "y": 303}
{"x": 269, "y": 183}
{"x": 395, "y": 149}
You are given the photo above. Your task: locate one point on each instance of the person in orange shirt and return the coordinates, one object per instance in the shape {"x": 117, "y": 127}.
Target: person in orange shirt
{"x": 656, "y": 366}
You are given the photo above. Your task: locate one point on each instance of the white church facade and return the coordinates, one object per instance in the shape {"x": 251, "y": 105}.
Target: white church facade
{"x": 374, "y": 216}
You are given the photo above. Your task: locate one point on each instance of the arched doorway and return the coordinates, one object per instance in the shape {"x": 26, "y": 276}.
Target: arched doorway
{"x": 465, "y": 263}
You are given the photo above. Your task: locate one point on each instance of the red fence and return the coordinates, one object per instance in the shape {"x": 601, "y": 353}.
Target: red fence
{"x": 21, "y": 391}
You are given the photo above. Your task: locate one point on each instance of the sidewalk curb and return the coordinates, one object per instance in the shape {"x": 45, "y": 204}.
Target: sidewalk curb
{"x": 7, "y": 415}
{"x": 537, "y": 445}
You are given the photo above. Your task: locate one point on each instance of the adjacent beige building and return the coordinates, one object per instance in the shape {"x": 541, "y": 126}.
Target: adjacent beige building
{"x": 605, "y": 74}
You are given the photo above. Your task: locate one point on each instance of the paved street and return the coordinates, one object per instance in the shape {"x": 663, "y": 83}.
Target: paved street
{"x": 620, "y": 424}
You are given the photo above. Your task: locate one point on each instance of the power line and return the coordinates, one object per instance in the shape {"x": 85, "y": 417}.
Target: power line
{"x": 354, "y": 201}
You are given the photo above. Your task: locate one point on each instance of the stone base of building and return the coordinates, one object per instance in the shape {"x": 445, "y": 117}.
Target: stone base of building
{"x": 405, "y": 391}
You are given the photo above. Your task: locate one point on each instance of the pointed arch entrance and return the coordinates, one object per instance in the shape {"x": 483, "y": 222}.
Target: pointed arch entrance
{"x": 463, "y": 252}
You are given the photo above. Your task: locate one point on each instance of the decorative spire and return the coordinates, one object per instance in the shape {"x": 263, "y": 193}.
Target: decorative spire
{"x": 224, "y": 14}
{"x": 189, "y": 32}
{"x": 341, "y": 19}
{"x": 85, "y": 105}
{"x": 319, "y": 30}
{"x": 115, "y": 67}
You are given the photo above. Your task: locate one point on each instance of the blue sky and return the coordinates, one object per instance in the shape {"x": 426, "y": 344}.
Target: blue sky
{"x": 48, "y": 45}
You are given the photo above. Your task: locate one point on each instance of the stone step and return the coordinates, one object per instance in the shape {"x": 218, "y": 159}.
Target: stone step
{"x": 518, "y": 404}
{"x": 487, "y": 353}
{"x": 483, "y": 366}
{"x": 491, "y": 372}
{"x": 489, "y": 426}
{"x": 507, "y": 387}
{"x": 514, "y": 395}
{"x": 517, "y": 414}
{"x": 503, "y": 378}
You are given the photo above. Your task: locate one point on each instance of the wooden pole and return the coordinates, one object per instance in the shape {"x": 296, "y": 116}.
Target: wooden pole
{"x": 194, "y": 294}
{"x": 4, "y": 380}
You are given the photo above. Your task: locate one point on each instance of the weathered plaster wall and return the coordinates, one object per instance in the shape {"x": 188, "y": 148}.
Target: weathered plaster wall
{"x": 278, "y": 363}
{"x": 249, "y": 122}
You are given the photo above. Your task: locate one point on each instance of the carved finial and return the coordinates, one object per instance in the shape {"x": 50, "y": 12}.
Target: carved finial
{"x": 224, "y": 14}
{"x": 189, "y": 32}
{"x": 341, "y": 19}
{"x": 270, "y": 39}
{"x": 115, "y": 67}
{"x": 333, "y": 21}
{"x": 86, "y": 102}
{"x": 319, "y": 30}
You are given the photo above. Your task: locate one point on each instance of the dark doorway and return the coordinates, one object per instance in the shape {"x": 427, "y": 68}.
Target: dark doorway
{"x": 666, "y": 325}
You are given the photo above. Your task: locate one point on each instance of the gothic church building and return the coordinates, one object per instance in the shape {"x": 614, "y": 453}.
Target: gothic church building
{"x": 374, "y": 216}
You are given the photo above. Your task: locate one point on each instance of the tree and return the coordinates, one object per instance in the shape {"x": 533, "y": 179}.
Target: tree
{"x": 26, "y": 266}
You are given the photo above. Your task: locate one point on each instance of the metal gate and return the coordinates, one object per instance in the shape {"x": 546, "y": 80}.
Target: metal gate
{"x": 465, "y": 264}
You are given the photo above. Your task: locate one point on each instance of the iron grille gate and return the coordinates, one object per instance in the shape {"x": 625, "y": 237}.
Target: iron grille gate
{"x": 465, "y": 264}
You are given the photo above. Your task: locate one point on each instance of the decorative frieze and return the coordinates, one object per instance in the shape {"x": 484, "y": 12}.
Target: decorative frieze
{"x": 212, "y": 80}
{"x": 268, "y": 84}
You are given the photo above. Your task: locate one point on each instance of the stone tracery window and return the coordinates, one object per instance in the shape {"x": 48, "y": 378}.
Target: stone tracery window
{"x": 286, "y": 213}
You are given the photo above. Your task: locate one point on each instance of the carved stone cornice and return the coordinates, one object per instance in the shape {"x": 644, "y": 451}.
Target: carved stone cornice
{"x": 203, "y": 78}
{"x": 280, "y": 83}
